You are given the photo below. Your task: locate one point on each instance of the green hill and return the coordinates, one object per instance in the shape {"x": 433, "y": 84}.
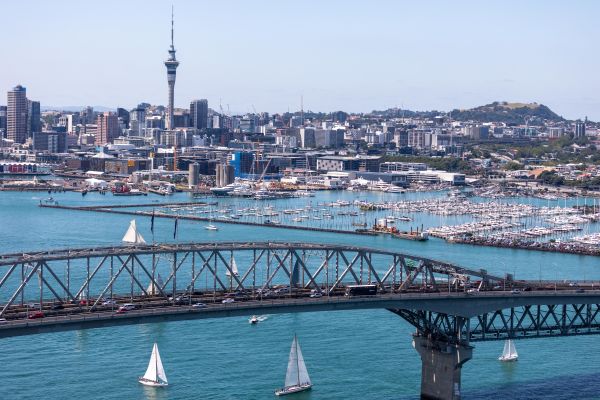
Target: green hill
{"x": 510, "y": 113}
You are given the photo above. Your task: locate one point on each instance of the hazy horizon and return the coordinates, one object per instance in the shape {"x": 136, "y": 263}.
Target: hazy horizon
{"x": 338, "y": 55}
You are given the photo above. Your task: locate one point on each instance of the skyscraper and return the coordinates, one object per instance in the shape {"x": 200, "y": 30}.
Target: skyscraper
{"x": 2, "y": 121}
{"x": 34, "y": 123}
{"x": 171, "y": 65}
{"x": 108, "y": 128}
{"x": 16, "y": 118}
{"x": 199, "y": 114}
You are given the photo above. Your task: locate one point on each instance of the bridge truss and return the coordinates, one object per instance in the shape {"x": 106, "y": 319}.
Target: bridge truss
{"x": 165, "y": 273}
{"x": 252, "y": 268}
{"x": 523, "y": 322}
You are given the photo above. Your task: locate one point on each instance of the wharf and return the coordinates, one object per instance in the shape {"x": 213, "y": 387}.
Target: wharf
{"x": 109, "y": 209}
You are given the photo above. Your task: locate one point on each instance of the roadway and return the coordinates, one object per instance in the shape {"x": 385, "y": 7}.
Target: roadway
{"x": 468, "y": 305}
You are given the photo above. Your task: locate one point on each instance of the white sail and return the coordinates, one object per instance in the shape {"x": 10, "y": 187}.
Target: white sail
{"x": 513, "y": 350}
{"x": 151, "y": 370}
{"x": 506, "y": 350}
{"x": 509, "y": 353}
{"x": 291, "y": 376}
{"x": 303, "y": 377}
{"x": 155, "y": 371}
{"x": 160, "y": 371}
{"x": 296, "y": 371}
{"x": 152, "y": 289}
{"x": 132, "y": 235}
{"x": 234, "y": 268}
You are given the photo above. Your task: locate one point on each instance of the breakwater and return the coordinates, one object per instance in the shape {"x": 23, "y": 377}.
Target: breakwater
{"x": 554, "y": 247}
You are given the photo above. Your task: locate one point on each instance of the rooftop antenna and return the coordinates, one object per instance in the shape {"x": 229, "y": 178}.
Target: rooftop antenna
{"x": 172, "y": 27}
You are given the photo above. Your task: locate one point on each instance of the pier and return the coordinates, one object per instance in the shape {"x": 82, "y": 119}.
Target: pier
{"x": 109, "y": 209}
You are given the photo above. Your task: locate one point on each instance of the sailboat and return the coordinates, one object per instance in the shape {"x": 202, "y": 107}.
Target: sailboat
{"x": 510, "y": 352}
{"x": 152, "y": 289}
{"x": 234, "y": 268}
{"x": 296, "y": 378}
{"x": 155, "y": 374}
{"x": 132, "y": 235}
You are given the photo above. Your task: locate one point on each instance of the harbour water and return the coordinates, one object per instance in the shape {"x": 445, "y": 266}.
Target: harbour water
{"x": 358, "y": 354}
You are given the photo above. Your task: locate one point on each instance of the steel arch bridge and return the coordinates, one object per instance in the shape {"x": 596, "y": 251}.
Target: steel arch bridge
{"x": 449, "y": 306}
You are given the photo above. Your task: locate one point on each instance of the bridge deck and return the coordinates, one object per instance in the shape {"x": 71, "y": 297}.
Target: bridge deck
{"x": 440, "y": 302}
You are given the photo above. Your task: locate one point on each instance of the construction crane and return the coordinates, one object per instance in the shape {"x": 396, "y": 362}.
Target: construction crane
{"x": 264, "y": 171}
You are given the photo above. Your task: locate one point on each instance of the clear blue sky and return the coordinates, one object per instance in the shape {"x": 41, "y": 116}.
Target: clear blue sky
{"x": 350, "y": 55}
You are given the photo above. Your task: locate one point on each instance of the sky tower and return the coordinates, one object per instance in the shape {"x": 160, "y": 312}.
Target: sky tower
{"x": 171, "y": 65}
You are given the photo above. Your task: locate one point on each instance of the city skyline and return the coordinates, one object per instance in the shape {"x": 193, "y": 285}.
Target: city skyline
{"x": 355, "y": 58}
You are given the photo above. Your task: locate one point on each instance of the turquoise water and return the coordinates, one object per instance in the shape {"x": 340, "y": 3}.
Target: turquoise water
{"x": 359, "y": 354}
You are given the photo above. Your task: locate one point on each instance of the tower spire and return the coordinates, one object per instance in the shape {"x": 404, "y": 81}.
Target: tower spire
{"x": 171, "y": 65}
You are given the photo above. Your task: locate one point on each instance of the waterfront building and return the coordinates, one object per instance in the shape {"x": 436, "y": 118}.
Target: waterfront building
{"x": 242, "y": 161}
{"x": 107, "y": 128}
{"x": 199, "y": 114}
{"x": 171, "y": 65}
{"x": 16, "y": 115}
{"x": 52, "y": 142}
{"x": 392, "y": 166}
{"x": 343, "y": 163}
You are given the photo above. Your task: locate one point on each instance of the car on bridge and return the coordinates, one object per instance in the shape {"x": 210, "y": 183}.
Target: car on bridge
{"x": 228, "y": 300}
{"x": 36, "y": 315}
{"x": 126, "y": 307}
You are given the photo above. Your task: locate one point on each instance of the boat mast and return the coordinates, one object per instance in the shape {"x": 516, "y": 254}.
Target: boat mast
{"x": 297, "y": 360}
{"x": 156, "y": 362}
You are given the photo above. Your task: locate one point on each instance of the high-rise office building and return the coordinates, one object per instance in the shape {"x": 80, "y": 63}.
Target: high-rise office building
{"x": 16, "y": 115}
{"x": 2, "y": 121}
{"x": 123, "y": 116}
{"x": 199, "y": 114}
{"x": 107, "y": 128}
{"x": 34, "y": 117}
{"x": 171, "y": 65}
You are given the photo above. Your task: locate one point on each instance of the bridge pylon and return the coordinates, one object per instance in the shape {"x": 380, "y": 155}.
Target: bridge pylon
{"x": 441, "y": 365}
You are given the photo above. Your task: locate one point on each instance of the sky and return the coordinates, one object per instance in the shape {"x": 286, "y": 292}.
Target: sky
{"x": 347, "y": 55}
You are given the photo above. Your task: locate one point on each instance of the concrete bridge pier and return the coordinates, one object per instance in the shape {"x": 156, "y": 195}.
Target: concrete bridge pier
{"x": 441, "y": 367}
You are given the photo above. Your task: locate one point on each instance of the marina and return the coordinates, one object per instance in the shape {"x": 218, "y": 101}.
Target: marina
{"x": 525, "y": 224}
